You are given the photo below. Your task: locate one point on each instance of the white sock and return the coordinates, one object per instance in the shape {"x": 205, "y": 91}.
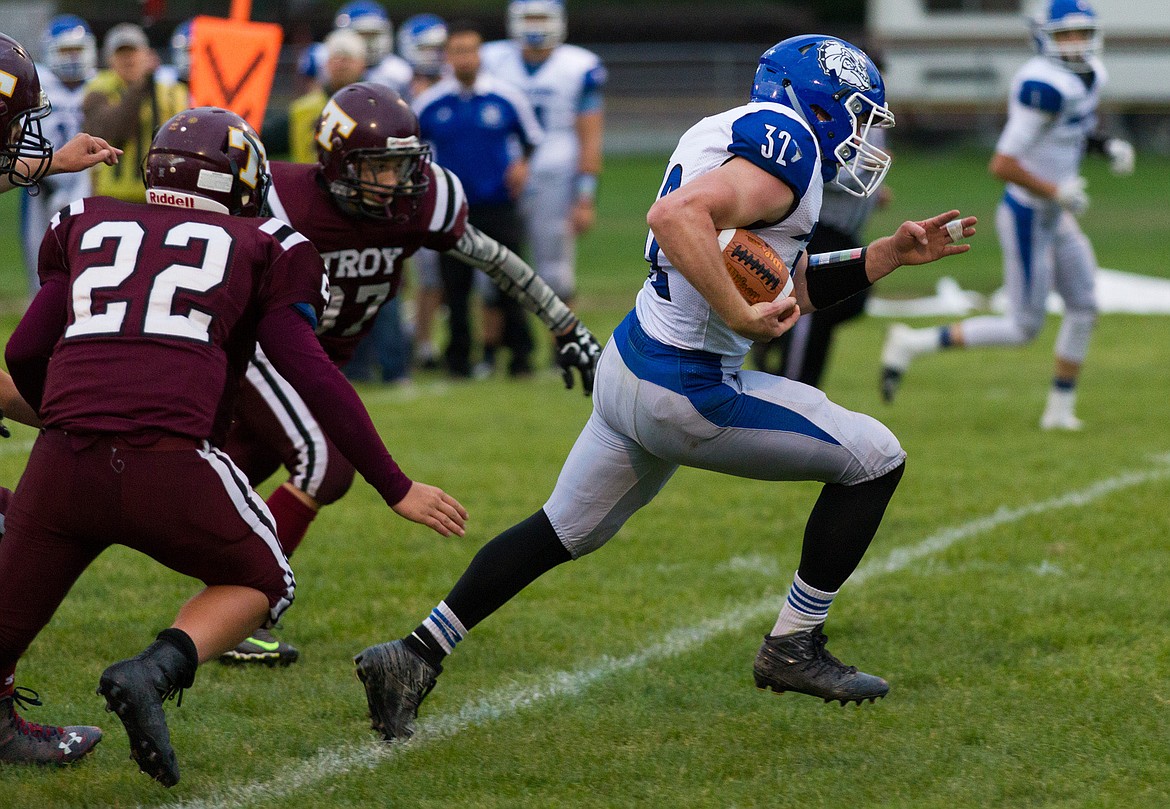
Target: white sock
{"x": 805, "y": 608}
{"x": 445, "y": 627}
{"x": 1061, "y": 401}
{"x": 924, "y": 341}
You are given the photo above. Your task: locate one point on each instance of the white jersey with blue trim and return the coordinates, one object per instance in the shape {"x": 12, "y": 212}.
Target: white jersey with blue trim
{"x": 57, "y": 191}
{"x": 393, "y": 72}
{"x": 773, "y": 138}
{"x": 555, "y": 88}
{"x": 65, "y": 120}
{"x": 1051, "y": 113}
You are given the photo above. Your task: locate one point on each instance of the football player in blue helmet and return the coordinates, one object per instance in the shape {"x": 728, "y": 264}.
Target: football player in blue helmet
{"x": 839, "y": 93}
{"x": 181, "y": 49}
{"x": 671, "y": 391}
{"x": 312, "y": 61}
{"x": 421, "y": 39}
{"x": 70, "y": 48}
{"x": 1051, "y": 126}
{"x": 1067, "y": 33}
{"x": 369, "y": 19}
{"x": 536, "y": 23}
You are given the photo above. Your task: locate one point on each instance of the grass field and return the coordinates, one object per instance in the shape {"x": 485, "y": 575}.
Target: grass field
{"x": 1014, "y": 597}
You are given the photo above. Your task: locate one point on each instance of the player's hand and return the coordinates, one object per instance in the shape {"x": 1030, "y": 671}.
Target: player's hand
{"x": 434, "y": 508}
{"x": 1121, "y": 156}
{"x": 578, "y": 349}
{"x": 919, "y": 243}
{"x": 583, "y": 215}
{"x": 769, "y": 319}
{"x": 1071, "y": 195}
{"x": 81, "y": 153}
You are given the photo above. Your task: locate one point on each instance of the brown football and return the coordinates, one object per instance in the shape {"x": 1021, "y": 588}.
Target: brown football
{"x": 758, "y": 272}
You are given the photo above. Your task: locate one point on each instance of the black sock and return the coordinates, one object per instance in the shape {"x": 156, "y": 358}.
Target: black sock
{"x": 505, "y": 566}
{"x": 423, "y": 644}
{"x": 840, "y": 528}
{"x": 502, "y": 568}
{"x": 181, "y": 641}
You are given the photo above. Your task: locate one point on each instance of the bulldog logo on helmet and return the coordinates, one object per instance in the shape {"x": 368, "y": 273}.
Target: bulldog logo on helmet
{"x": 846, "y": 64}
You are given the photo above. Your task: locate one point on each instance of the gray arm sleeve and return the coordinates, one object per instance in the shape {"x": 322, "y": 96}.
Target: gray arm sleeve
{"x": 514, "y": 277}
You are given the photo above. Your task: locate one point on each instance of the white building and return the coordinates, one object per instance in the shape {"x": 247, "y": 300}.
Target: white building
{"x": 959, "y": 55}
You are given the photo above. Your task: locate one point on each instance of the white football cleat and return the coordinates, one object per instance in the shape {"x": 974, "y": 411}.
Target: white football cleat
{"x": 902, "y": 345}
{"x": 1056, "y": 420}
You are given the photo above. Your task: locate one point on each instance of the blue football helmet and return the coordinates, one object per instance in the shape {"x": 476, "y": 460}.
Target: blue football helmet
{"x": 181, "y": 49}
{"x": 421, "y": 40}
{"x": 839, "y": 93}
{"x": 1063, "y": 16}
{"x": 536, "y": 23}
{"x": 312, "y": 60}
{"x": 368, "y": 18}
{"x": 70, "y": 48}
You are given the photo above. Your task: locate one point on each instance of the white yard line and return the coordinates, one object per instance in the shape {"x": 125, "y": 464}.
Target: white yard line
{"x": 333, "y": 763}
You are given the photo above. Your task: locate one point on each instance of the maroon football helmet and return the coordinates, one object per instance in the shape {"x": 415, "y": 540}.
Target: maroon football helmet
{"x": 367, "y": 135}
{"x": 24, "y": 151}
{"x": 208, "y": 153}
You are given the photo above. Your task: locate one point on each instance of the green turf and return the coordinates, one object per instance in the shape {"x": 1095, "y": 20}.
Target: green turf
{"x": 1027, "y": 659}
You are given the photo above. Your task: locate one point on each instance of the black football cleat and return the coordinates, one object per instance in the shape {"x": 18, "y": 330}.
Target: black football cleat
{"x": 799, "y": 662}
{"x": 890, "y": 382}
{"x": 135, "y": 690}
{"x": 24, "y": 742}
{"x": 397, "y": 681}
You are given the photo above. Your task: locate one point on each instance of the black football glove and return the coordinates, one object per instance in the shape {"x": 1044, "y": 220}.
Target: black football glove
{"x": 576, "y": 348}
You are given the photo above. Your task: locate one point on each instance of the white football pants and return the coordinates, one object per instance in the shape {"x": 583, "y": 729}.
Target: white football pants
{"x": 656, "y": 408}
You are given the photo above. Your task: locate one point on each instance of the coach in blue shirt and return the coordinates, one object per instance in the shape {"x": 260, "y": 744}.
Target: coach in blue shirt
{"x": 483, "y": 129}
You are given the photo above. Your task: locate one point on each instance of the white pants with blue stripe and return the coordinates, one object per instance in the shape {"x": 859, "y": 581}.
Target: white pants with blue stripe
{"x": 656, "y": 408}
{"x": 546, "y": 206}
{"x": 1044, "y": 249}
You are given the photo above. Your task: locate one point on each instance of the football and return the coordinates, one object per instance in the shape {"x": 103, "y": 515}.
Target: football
{"x": 757, "y": 271}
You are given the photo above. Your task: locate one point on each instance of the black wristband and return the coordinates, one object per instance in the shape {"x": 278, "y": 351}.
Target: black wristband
{"x": 832, "y": 277}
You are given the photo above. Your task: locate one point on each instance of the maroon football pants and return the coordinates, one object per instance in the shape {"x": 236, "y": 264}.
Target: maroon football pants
{"x": 177, "y": 500}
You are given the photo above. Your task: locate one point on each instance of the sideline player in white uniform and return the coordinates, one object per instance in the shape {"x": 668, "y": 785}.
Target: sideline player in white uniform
{"x": 1052, "y": 115}
{"x": 670, "y": 390}
{"x": 369, "y": 19}
{"x": 564, "y": 83}
{"x": 70, "y": 52}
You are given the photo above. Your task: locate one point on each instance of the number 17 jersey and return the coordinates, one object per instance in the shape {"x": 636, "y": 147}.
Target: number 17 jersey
{"x": 773, "y": 138}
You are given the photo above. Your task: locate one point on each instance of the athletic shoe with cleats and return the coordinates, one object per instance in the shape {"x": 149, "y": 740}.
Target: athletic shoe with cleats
{"x": 262, "y": 647}
{"x": 135, "y": 690}
{"x": 397, "y": 681}
{"x": 24, "y": 742}
{"x": 1060, "y": 421}
{"x": 902, "y": 345}
{"x": 800, "y": 662}
{"x": 890, "y": 382}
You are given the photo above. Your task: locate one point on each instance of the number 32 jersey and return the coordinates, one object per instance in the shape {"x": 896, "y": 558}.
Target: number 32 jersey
{"x": 776, "y": 140}
{"x": 163, "y": 308}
